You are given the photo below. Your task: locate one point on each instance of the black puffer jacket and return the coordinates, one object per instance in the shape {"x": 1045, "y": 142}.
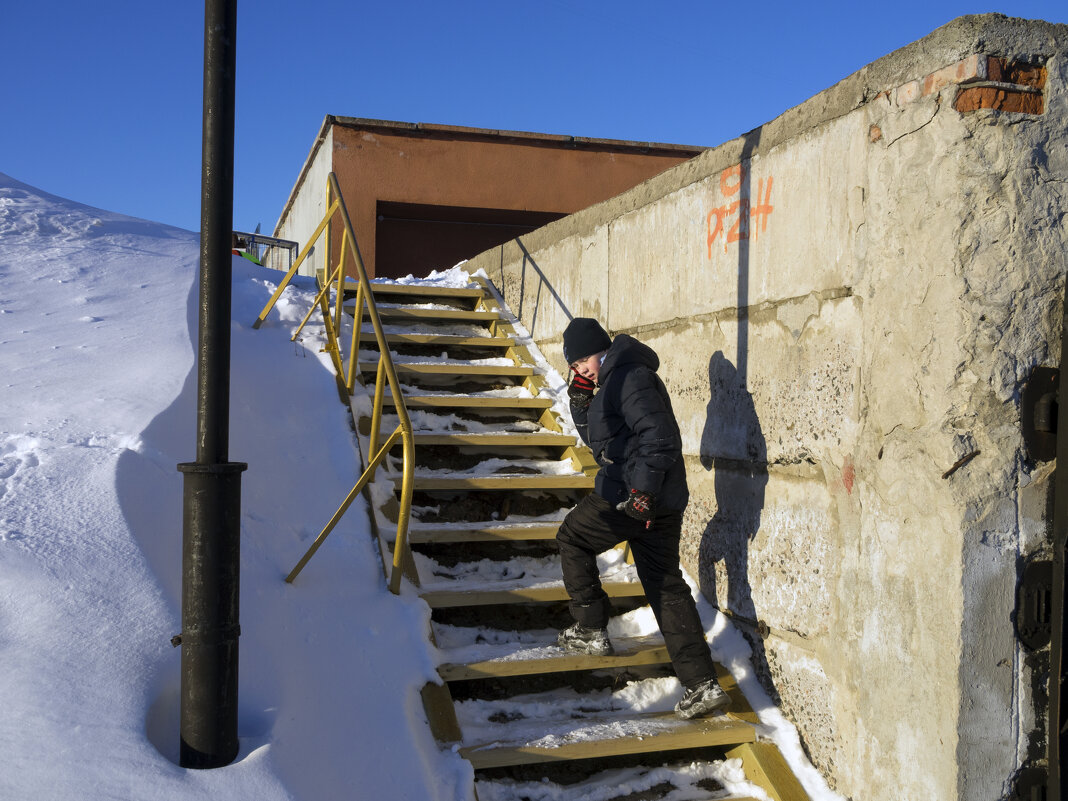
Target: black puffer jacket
{"x": 632, "y": 430}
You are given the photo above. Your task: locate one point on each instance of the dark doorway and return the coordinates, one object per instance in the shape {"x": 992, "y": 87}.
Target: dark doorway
{"x": 415, "y": 238}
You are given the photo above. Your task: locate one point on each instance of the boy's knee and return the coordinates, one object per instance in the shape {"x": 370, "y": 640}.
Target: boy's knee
{"x": 564, "y": 535}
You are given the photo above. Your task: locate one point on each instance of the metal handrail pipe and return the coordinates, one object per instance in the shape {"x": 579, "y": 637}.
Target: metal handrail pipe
{"x": 354, "y": 345}
{"x": 376, "y": 407}
{"x": 296, "y": 266}
{"x": 311, "y": 310}
{"x": 408, "y": 482}
{"x": 364, "y": 479}
{"x": 339, "y": 276}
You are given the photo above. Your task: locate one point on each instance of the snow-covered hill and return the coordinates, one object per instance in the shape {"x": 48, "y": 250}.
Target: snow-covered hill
{"x": 97, "y": 331}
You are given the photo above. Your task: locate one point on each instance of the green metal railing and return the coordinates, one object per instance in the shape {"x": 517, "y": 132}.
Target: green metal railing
{"x": 335, "y": 280}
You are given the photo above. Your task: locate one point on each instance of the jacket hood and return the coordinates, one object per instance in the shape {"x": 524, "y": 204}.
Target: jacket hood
{"x": 626, "y": 349}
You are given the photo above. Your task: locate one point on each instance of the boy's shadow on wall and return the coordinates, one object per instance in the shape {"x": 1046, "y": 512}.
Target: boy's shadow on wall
{"x": 733, "y": 445}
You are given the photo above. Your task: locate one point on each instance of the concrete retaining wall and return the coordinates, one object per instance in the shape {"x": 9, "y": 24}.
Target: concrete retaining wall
{"x": 309, "y": 207}
{"x": 846, "y": 303}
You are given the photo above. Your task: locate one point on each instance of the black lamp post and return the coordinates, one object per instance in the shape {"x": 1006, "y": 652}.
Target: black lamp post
{"x": 212, "y": 485}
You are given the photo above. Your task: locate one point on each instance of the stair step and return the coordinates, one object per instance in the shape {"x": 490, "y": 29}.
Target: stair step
{"x": 605, "y": 737}
{"x": 525, "y": 660}
{"x": 444, "y": 340}
{"x": 459, "y": 370}
{"x": 495, "y": 533}
{"x": 389, "y": 314}
{"x": 469, "y": 402}
{"x": 494, "y": 440}
{"x": 505, "y": 481}
{"x": 422, "y": 290}
{"x": 445, "y": 599}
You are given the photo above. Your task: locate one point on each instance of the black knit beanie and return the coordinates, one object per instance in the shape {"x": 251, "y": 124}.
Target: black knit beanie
{"x": 584, "y": 337}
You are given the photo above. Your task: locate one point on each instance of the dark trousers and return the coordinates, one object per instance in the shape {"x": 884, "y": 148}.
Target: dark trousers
{"x": 593, "y": 527}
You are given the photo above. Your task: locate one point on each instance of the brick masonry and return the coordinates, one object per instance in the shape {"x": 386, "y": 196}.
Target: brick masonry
{"x": 987, "y": 82}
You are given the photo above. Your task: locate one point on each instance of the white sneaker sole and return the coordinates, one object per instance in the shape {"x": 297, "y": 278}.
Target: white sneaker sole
{"x": 704, "y": 708}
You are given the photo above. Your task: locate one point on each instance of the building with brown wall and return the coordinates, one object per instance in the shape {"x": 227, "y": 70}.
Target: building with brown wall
{"x": 424, "y": 197}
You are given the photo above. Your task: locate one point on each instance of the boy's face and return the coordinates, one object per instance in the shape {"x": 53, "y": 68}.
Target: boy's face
{"x": 590, "y": 367}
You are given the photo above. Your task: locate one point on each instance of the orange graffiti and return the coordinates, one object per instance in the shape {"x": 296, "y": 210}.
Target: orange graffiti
{"x": 729, "y": 189}
{"x": 752, "y": 218}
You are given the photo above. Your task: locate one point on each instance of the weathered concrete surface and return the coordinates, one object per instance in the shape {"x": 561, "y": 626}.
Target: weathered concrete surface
{"x": 309, "y": 207}
{"x": 846, "y": 303}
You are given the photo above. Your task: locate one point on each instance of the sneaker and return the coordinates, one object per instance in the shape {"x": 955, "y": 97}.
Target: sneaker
{"x": 703, "y": 699}
{"x": 578, "y": 639}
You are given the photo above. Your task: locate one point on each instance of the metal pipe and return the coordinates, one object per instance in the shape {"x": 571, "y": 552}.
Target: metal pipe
{"x": 340, "y": 274}
{"x": 293, "y": 268}
{"x": 1056, "y": 723}
{"x": 386, "y": 364}
{"x": 367, "y": 476}
{"x": 212, "y": 485}
{"x": 354, "y": 346}
{"x": 216, "y": 230}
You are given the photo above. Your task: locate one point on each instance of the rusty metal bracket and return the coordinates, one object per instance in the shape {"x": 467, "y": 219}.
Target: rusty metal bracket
{"x": 1034, "y": 604}
{"x": 1038, "y": 413}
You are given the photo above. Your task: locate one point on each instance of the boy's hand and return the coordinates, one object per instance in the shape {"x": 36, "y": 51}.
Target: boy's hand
{"x": 581, "y": 391}
{"x": 639, "y": 505}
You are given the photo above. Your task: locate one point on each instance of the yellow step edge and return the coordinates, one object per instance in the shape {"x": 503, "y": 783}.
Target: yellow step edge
{"x": 470, "y": 402}
{"x": 431, "y": 368}
{"x": 441, "y": 339}
{"x": 630, "y": 652}
{"x": 765, "y": 767}
{"x": 501, "y": 482}
{"x": 719, "y": 730}
{"x": 417, "y": 289}
{"x": 496, "y": 440}
{"x": 419, "y": 535}
{"x": 428, "y": 315}
{"x": 445, "y": 599}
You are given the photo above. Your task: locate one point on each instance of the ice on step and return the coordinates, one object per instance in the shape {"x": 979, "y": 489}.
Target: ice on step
{"x": 563, "y": 716}
{"x": 436, "y": 329}
{"x": 505, "y": 392}
{"x": 496, "y": 361}
{"x": 436, "y": 423}
{"x": 518, "y": 571}
{"x": 689, "y": 781}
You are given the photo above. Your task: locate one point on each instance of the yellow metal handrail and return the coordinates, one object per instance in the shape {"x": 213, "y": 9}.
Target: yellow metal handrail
{"x": 336, "y": 204}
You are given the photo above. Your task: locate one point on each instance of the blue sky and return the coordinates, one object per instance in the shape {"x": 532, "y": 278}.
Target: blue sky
{"x": 102, "y": 101}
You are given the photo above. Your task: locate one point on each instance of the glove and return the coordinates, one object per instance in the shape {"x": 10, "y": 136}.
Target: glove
{"x": 581, "y": 391}
{"x": 639, "y": 505}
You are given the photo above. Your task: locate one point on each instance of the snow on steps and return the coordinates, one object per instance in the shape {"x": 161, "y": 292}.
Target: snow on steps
{"x": 607, "y": 736}
{"x": 521, "y": 659}
{"x": 406, "y": 314}
{"x": 541, "y": 728}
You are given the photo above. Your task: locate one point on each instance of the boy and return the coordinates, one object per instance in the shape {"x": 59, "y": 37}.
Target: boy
{"x": 639, "y": 496}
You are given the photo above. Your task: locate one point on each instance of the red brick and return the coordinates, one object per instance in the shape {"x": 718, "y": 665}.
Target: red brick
{"x": 972, "y": 68}
{"x": 995, "y": 69}
{"x": 976, "y": 97}
{"x": 1026, "y": 75}
{"x": 908, "y": 92}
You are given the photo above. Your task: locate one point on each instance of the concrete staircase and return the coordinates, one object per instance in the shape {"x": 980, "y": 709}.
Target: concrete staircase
{"x": 495, "y": 475}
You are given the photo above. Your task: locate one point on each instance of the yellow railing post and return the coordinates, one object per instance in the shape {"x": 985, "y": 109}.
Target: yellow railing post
{"x": 376, "y": 407}
{"x": 354, "y": 346}
{"x": 296, "y": 266}
{"x": 400, "y": 544}
{"x": 408, "y": 482}
{"x": 386, "y": 375}
{"x": 330, "y": 204}
{"x": 340, "y": 276}
{"x": 378, "y": 457}
{"x": 317, "y": 302}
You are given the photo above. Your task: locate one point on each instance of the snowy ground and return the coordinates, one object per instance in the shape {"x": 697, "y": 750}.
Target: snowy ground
{"x": 98, "y": 324}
